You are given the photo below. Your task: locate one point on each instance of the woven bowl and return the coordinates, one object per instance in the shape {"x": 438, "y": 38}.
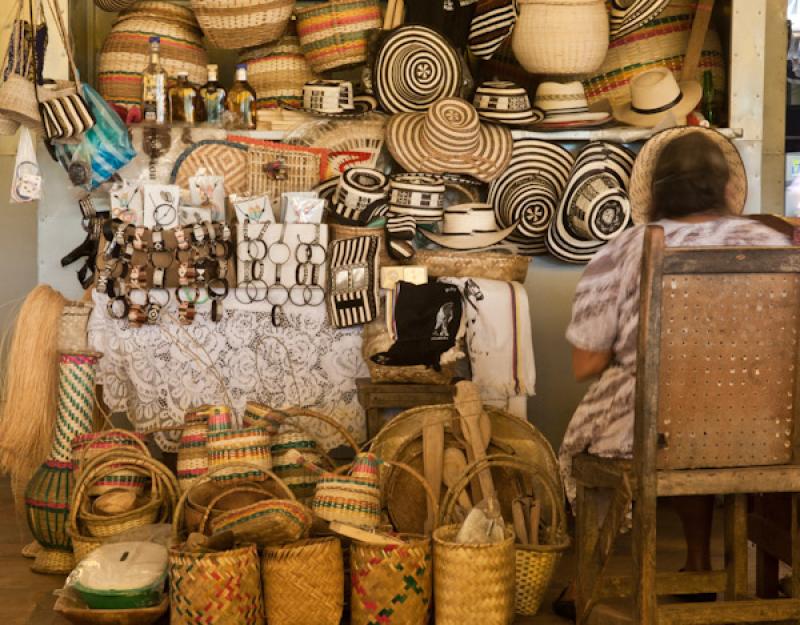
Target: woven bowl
{"x": 236, "y": 24}
{"x": 277, "y": 72}
{"x": 270, "y": 522}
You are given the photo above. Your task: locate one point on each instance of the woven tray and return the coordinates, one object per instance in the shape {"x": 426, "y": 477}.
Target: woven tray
{"x": 490, "y": 265}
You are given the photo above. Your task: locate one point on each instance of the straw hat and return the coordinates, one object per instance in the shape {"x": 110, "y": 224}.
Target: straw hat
{"x": 642, "y": 176}
{"x": 359, "y": 196}
{"x": 565, "y": 103}
{"x": 504, "y": 102}
{"x": 415, "y": 66}
{"x": 655, "y": 94}
{"x": 594, "y": 207}
{"x": 492, "y": 23}
{"x": 630, "y": 15}
{"x": 420, "y": 196}
{"x": 449, "y": 137}
{"x": 334, "y": 98}
{"x": 469, "y": 227}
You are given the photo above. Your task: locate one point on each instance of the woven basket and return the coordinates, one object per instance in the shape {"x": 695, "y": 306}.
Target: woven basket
{"x": 88, "y": 446}
{"x": 72, "y": 335}
{"x": 302, "y": 168}
{"x": 192, "y": 461}
{"x": 473, "y": 584}
{"x": 208, "y": 498}
{"x": 223, "y": 588}
{"x": 259, "y": 415}
{"x": 661, "y": 43}
{"x": 489, "y": 265}
{"x": 352, "y": 499}
{"x": 278, "y": 72}
{"x": 333, "y": 34}
{"x": 18, "y": 102}
{"x": 235, "y": 24}
{"x": 339, "y": 231}
{"x": 534, "y": 564}
{"x": 219, "y": 418}
{"x": 298, "y": 477}
{"x": 113, "y": 6}
{"x": 561, "y": 37}
{"x": 304, "y": 582}
{"x": 126, "y": 50}
{"x": 234, "y": 447}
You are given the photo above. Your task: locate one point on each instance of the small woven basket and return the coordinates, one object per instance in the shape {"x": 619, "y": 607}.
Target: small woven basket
{"x": 219, "y": 418}
{"x": 473, "y": 584}
{"x": 352, "y": 499}
{"x": 259, "y": 415}
{"x": 489, "y": 265}
{"x": 236, "y": 24}
{"x": 229, "y": 448}
{"x": 304, "y": 582}
{"x": 278, "y": 72}
{"x": 333, "y": 34}
{"x": 88, "y": 446}
{"x": 192, "y": 462}
{"x": 112, "y": 6}
{"x": 301, "y": 479}
{"x": 301, "y": 168}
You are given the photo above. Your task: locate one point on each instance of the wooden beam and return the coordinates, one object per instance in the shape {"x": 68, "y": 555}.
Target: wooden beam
{"x": 739, "y": 480}
{"x": 724, "y": 612}
{"x": 736, "y": 546}
{"x": 615, "y": 587}
{"x": 702, "y": 19}
{"x": 707, "y": 260}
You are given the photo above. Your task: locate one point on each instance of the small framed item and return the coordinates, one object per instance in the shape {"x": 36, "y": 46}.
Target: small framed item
{"x": 190, "y": 215}
{"x": 209, "y": 191}
{"x": 127, "y": 202}
{"x": 301, "y": 210}
{"x": 353, "y": 281}
{"x": 161, "y": 204}
{"x": 293, "y": 196}
{"x": 254, "y": 210}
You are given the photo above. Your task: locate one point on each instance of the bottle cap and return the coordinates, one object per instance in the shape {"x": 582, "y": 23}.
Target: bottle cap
{"x": 155, "y": 39}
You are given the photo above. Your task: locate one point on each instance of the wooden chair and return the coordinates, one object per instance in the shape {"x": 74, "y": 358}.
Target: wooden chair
{"x": 716, "y": 413}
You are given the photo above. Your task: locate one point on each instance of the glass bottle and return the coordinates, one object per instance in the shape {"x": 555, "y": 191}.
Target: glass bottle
{"x": 708, "y": 98}
{"x": 213, "y": 97}
{"x": 183, "y": 101}
{"x": 154, "y": 87}
{"x": 242, "y": 101}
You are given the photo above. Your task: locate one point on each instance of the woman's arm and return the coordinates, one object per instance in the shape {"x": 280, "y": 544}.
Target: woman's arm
{"x": 586, "y": 364}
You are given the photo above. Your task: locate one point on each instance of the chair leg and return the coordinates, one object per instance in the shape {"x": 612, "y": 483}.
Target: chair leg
{"x": 766, "y": 574}
{"x": 644, "y": 557}
{"x": 795, "y": 533}
{"x": 586, "y": 532}
{"x": 736, "y": 546}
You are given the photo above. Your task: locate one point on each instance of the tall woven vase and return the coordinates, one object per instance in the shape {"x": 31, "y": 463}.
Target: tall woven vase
{"x": 47, "y": 496}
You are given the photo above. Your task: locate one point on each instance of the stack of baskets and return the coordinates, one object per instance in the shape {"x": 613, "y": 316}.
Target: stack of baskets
{"x": 192, "y": 462}
{"x": 87, "y": 447}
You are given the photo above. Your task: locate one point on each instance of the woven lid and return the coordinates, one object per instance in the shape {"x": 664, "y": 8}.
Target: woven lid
{"x": 365, "y": 467}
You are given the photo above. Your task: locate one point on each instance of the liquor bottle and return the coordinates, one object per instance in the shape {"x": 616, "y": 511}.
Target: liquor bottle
{"x": 154, "y": 87}
{"x": 242, "y": 101}
{"x": 212, "y": 98}
{"x": 183, "y": 101}
{"x": 708, "y": 98}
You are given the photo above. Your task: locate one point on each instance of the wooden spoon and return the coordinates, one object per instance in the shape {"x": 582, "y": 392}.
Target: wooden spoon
{"x": 433, "y": 460}
{"x": 455, "y": 464}
{"x": 469, "y": 407}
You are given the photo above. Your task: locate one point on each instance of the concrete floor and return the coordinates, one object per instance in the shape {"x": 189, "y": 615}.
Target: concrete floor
{"x": 27, "y": 598}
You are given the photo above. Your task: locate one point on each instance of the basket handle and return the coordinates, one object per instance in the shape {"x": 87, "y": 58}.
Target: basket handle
{"x": 237, "y": 489}
{"x": 558, "y": 518}
{"x": 315, "y": 414}
{"x": 108, "y": 435}
{"x": 421, "y": 479}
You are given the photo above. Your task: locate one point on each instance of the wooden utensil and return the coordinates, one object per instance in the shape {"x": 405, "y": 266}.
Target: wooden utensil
{"x": 455, "y": 463}
{"x": 469, "y": 407}
{"x": 533, "y": 523}
{"x": 518, "y": 517}
{"x": 364, "y": 536}
{"x": 432, "y": 462}
{"x": 702, "y": 19}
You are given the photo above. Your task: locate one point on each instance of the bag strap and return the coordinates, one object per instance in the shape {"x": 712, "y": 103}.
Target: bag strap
{"x": 65, "y": 39}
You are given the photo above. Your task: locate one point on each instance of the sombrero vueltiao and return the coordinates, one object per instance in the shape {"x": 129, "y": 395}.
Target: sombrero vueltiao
{"x": 629, "y": 15}
{"x": 449, "y": 138}
{"x": 642, "y": 177}
{"x": 469, "y": 227}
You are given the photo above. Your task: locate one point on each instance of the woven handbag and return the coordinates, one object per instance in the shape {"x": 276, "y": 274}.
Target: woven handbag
{"x": 352, "y": 281}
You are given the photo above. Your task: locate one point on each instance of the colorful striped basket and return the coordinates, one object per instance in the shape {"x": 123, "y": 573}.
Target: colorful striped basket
{"x": 219, "y": 418}
{"x": 259, "y": 415}
{"x": 126, "y": 50}
{"x": 333, "y": 34}
{"x": 88, "y": 446}
{"x": 234, "y": 24}
{"x": 192, "y": 462}
{"x": 268, "y": 522}
{"x": 661, "y": 43}
{"x": 353, "y": 499}
{"x": 297, "y": 476}
{"x": 228, "y": 448}
{"x": 278, "y": 72}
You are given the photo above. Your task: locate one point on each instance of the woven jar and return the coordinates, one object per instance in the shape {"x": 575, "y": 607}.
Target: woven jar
{"x": 236, "y": 24}
{"x": 219, "y": 418}
{"x": 192, "y": 462}
{"x": 353, "y": 499}
{"x": 561, "y": 37}
{"x": 229, "y": 448}
{"x": 301, "y": 479}
{"x": 258, "y": 415}
{"x": 473, "y": 584}
{"x": 86, "y": 447}
{"x": 333, "y": 34}
{"x": 126, "y": 50}
{"x": 304, "y": 582}
{"x": 278, "y": 72}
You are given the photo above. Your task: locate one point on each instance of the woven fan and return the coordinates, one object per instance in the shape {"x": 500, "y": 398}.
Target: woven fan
{"x": 216, "y": 158}
{"x": 354, "y": 143}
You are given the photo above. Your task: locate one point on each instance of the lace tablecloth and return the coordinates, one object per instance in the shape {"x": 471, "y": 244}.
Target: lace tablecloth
{"x": 155, "y": 373}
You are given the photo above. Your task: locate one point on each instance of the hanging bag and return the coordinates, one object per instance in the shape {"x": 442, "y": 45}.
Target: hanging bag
{"x": 17, "y": 93}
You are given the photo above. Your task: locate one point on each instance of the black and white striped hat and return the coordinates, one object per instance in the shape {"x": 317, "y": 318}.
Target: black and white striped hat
{"x": 528, "y": 191}
{"x": 492, "y": 23}
{"x": 420, "y": 196}
{"x": 505, "y": 102}
{"x": 595, "y": 207}
{"x": 356, "y": 197}
{"x": 629, "y": 15}
{"x": 449, "y": 138}
{"x": 415, "y": 66}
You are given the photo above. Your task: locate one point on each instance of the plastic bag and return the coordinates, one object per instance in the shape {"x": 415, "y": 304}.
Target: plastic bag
{"x": 26, "y": 183}
{"x": 483, "y": 525}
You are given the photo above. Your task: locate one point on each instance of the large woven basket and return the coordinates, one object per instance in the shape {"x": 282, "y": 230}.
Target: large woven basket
{"x": 235, "y": 24}
{"x": 561, "y": 37}
{"x": 277, "y": 72}
{"x": 661, "y": 43}
{"x": 304, "y": 582}
{"x": 473, "y": 584}
{"x": 333, "y": 34}
{"x": 126, "y": 50}
{"x": 227, "y": 450}
{"x": 489, "y": 265}
{"x": 302, "y": 167}
{"x": 88, "y": 446}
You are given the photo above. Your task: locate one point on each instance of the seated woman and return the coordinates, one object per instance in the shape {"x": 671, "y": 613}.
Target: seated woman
{"x": 691, "y": 201}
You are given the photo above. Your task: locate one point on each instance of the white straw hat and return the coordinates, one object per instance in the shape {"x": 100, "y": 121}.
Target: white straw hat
{"x": 566, "y": 103}
{"x": 468, "y": 227}
{"x": 655, "y": 94}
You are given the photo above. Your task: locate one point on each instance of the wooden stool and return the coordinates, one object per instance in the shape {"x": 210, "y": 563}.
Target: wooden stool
{"x": 376, "y": 396}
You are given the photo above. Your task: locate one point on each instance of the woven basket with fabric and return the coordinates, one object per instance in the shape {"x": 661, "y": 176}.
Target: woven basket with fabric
{"x": 229, "y": 448}
{"x": 88, "y": 446}
{"x": 126, "y": 50}
{"x": 277, "y": 72}
{"x": 301, "y": 169}
{"x": 236, "y": 24}
{"x": 333, "y": 34}
{"x": 661, "y": 43}
{"x": 473, "y": 584}
{"x": 304, "y": 582}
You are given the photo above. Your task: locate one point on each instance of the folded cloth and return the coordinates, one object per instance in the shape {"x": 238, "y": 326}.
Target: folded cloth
{"x": 427, "y": 318}
{"x": 498, "y": 335}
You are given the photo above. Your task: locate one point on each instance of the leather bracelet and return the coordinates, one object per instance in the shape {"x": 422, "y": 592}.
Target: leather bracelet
{"x": 186, "y": 313}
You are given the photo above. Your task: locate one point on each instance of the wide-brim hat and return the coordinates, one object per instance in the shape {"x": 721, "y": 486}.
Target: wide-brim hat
{"x": 417, "y": 195}
{"x": 628, "y": 17}
{"x": 566, "y": 103}
{"x": 449, "y": 138}
{"x": 655, "y": 94}
{"x": 362, "y": 105}
{"x": 505, "y": 102}
{"x": 641, "y": 192}
{"x": 469, "y": 227}
{"x": 491, "y": 25}
{"x": 600, "y": 165}
{"x": 528, "y": 190}
{"x": 415, "y": 66}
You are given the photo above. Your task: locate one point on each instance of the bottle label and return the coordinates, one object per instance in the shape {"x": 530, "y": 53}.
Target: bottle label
{"x": 154, "y": 99}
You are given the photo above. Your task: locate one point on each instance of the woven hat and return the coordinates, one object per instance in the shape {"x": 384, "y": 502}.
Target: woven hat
{"x": 469, "y": 227}
{"x": 334, "y": 98}
{"x": 449, "y": 137}
{"x": 594, "y": 207}
{"x": 420, "y": 196}
{"x": 527, "y": 193}
{"x": 491, "y": 25}
{"x": 565, "y": 103}
{"x": 628, "y": 16}
{"x": 655, "y": 94}
{"x": 359, "y": 196}
{"x": 415, "y": 66}
{"x": 505, "y": 102}
{"x": 642, "y": 177}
